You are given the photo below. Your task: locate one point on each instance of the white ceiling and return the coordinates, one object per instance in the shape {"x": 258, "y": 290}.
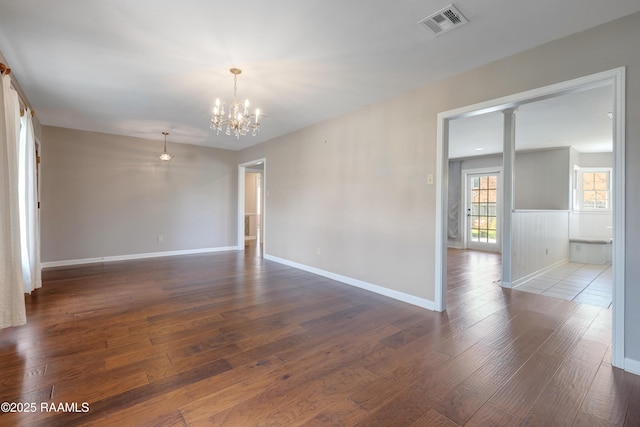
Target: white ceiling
{"x": 579, "y": 120}
{"x": 141, "y": 67}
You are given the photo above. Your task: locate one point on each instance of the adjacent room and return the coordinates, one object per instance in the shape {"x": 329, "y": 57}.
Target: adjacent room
{"x": 308, "y": 213}
{"x": 563, "y": 188}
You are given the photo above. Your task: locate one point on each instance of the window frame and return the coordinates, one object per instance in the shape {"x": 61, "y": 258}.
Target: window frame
{"x": 578, "y": 192}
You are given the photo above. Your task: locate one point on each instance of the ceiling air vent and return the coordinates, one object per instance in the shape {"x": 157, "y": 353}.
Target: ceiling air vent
{"x": 443, "y": 20}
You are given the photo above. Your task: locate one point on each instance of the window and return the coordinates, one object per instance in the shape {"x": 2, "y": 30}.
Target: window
{"x": 593, "y": 189}
{"x": 483, "y": 211}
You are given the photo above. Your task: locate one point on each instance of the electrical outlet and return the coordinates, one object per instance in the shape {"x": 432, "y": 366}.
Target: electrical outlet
{"x": 160, "y": 238}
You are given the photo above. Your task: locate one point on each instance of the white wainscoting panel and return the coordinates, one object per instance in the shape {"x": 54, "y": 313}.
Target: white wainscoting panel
{"x": 540, "y": 241}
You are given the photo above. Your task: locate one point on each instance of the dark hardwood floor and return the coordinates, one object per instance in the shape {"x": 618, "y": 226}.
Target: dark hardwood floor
{"x": 229, "y": 339}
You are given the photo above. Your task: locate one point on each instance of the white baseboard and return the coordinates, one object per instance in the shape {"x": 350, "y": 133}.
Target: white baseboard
{"x": 632, "y": 366}
{"x": 81, "y": 261}
{"x": 400, "y": 296}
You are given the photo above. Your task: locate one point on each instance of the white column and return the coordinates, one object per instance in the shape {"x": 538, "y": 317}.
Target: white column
{"x": 508, "y": 160}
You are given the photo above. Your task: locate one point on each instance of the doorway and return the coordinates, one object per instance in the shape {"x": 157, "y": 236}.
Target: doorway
{"x": 251, "y": 207}
{"x": 613, "y": 78}
{"x": 482, "y": 228}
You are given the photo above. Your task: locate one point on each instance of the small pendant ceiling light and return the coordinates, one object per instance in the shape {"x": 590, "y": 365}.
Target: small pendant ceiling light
{"x": 238, "y": 120}
{"x": 165, "y": 156}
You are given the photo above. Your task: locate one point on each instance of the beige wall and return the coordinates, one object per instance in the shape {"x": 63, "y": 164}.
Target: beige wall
{"x": 355, "y": 186}
{"x": 250, "y": 192}
{"x": 252, "y": 220}
{"x": 542, "y": 179}
{"x": 352, "y": 200}
{"x": 107, "y": 195}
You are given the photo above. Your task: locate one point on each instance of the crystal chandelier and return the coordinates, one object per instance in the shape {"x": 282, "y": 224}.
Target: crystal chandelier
{"x": 165, "y": 156}
{"x": 237, "y": 120}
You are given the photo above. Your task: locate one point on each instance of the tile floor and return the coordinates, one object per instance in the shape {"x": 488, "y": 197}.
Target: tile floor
{"x": 583, "y": 283}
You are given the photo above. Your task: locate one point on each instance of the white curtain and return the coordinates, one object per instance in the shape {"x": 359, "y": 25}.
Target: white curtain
{"x": 12, "y": 308}
{"x": 28, "y": 205}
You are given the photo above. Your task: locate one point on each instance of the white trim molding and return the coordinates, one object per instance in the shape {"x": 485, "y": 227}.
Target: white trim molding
{"x": 130, "y": 257}
{"x": 618, "y": 327}
{"x": 400, "y": 296}
{"x": 632, "y": 366}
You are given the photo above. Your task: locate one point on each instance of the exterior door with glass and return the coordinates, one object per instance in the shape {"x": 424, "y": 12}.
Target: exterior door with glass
{"x": 482, "y": 211}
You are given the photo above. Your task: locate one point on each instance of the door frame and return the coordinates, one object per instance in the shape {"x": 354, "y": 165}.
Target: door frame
{"x": 242, "y": 169}
{"x": 614, "y": 77}
{"x": 465, "y": 190}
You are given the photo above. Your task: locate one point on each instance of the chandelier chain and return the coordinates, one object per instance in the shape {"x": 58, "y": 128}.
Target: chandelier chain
{"x": 165, "y": 156}
{"x": 235, "y": 87}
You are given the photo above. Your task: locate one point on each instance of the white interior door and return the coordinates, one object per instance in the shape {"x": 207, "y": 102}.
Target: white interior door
{"x": 482, "y": 210}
